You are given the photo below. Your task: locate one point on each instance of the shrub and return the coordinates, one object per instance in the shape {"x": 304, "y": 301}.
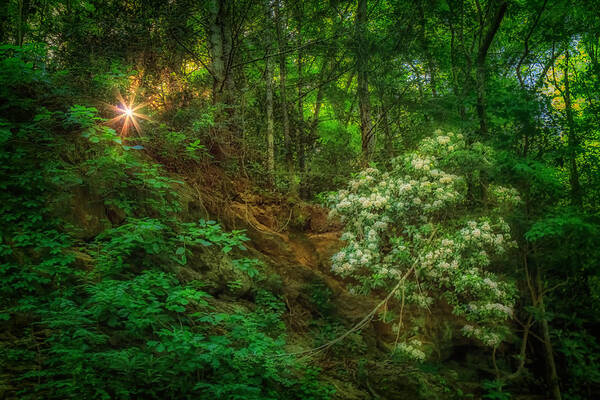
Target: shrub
{"x": 419, "y": 233}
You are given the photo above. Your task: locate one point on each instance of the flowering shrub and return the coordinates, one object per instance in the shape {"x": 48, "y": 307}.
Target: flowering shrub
{"x": 417, "y": 230}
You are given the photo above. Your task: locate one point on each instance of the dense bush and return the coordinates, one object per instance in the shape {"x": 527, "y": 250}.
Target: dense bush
{"x": 431, "y": 228}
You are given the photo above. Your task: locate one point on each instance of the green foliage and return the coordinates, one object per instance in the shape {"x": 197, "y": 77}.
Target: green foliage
{"x": 110, "y": 318}
{"x": 580, "y": 350}
{"x": 336, "y": 159}
{"x": 249, "y": 266}
{"x": 116, "y": 77}
{"x": 567, "y": 226}
{"x": 539, "y": 178}
{"x": 157, "y": 347}
{"x": 176, "y": 146}
{"x": 494, "y": 390}
{"x": 320, "y": 297}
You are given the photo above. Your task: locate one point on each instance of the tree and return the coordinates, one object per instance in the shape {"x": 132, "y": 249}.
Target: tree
{"x": 362, "y": 68}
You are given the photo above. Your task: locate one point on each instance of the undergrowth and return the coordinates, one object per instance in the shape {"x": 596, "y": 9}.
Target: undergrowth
{"x": 109, "y": 316}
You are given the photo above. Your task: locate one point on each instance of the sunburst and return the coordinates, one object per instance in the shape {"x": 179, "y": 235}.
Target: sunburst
{"x": 128, "y": 112}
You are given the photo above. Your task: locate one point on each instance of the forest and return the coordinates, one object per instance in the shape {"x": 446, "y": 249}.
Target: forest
{"x": 300, "y": 199}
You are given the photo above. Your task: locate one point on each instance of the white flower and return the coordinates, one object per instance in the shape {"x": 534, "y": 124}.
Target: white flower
{"x": 468, "y": 329}
{"x": 447, "y": 242}
{"x": 411, "y": 351}
{"x": 492, "y": 340}
{"x": 490, "y": 283}
{"x": 380, "y": 225}
{"x": 347, "y": 236}
{"x": 443, "y": 139}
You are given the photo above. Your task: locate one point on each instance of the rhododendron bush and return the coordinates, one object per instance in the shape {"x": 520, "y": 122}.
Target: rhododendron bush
{"x": 430, "y": 231}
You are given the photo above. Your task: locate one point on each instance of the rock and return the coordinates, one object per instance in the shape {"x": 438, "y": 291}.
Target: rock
{"x": 86, "y": 214}
{"x": 218, "y": 271}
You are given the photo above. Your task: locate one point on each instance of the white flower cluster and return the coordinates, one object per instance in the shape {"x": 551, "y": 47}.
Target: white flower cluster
{"x": 488, "y": 338}
{"x": 504, "y": 196}
{"x": 482, "y": 235}
{"x": 363, "y": 246}
{"x": 493, "y": 308}
{"x": 407, "y": 218}
{"x": 442, "y": 144}
{"x": 411, "y": 350}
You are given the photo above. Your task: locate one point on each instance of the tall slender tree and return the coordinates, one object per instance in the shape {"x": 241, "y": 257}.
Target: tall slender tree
{"x": 362, "y": 68}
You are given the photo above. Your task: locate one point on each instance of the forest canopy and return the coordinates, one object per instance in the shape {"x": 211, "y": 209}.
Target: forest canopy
{"x": 284, "y": 199}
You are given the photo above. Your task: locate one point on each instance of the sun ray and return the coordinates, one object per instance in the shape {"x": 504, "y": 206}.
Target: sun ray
{"x": 115, "y": 119}
{"x": 132, "y": 97}
{"x": 127, "y": 111}
{"x": 134, "y": 108}
{"x": 125, "y": 128}
{"x": 120, "y": 98}
{"x": 142, "y": 116}
{"x": 136, "y": 126}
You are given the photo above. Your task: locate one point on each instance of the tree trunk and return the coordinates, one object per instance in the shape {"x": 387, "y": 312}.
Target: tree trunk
{"x": 281, "y": 40}
{"x": 220, "y": 49}
{"x": 389, "y": 143}
{"x": 314, "y": 123}
{"x": 269, "y": 96}
{"x": 300, "y": 127}
{"x": 269, "y": 104}
{"x": 549, "y": 354}
{"x": 455, "y": 74}
{"x": 576, "y": 196}
{"x": 362, "y": 65}
{"x": 480, "y": 74}
{"x": 216, "y": 45}
{"x": 19, "y": 37}
{"x": 481, "y": 104}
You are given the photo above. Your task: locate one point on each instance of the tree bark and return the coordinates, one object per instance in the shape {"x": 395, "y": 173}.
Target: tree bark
{"x": 269, "y": 96}
{"x": 220, "y": 48}
{"x": 300, "y": 126}
{"x": 549, "y": 354}
{"x": 362, "y": 65}
{"x": 269, "y": 105}
{"x": 281, "y": 40}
